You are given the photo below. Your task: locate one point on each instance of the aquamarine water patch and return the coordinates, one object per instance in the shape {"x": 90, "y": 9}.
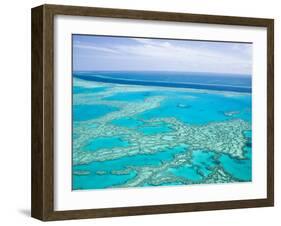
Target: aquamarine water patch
{"x": 238, "y": 168}
{"x": 90, "y": 181}
{"x": 105, "y": 143}
{"x": 80, "y": 89}
{"x": 87, "y": 112}
{"x": 247, "y": 149}
{"x": 241, "y": 169}
{"x": 202, "y": 108}
{"x": 241, "y": 107}
{"x": 248, "y": 133}
{"x": 154, "y": 129}
{"x": 186, "y": 171}
{"x": 248, "y": 154}
{"x": 75, "y": 136}
{"x": 203, "y": 161}
{"x": 131, "y": 96}
{"x": 127, "y": 122}
{"x": 164, "y": 184}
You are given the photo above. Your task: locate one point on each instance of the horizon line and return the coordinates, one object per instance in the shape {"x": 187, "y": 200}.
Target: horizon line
{"x": 222, "y": 73}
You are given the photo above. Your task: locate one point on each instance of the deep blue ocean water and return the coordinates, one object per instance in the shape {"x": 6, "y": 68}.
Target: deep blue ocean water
{"x": 213, "y": 98}
{"x": 211, "y": 81}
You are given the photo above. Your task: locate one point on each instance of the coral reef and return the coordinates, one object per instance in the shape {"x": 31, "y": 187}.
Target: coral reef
{"x": 225, "y": 137}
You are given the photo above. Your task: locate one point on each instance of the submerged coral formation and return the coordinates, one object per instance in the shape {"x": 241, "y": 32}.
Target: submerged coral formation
{"x": 213, "y": 139}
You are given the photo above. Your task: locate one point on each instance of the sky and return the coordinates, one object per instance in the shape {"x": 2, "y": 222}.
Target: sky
{"x": 109, "y": 53}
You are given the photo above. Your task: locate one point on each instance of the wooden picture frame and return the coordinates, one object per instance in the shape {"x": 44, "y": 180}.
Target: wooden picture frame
{"x": 42, "y": 204}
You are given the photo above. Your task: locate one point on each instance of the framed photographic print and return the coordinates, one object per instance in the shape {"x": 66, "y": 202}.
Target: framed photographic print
{"x": 141, "y": 112}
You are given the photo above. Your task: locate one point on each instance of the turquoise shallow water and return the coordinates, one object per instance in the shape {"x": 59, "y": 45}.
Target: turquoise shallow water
{"x": 119, "y": 164}
{"x": 127, "y": 122}
{"x": 86, "y": 112}
{"x": 136, "y": 136}
{"x": 79, "y": 89}
{"x": 201, "y": 107}
{"x": 105, "y": 142}
{"x": 134, "y": 96}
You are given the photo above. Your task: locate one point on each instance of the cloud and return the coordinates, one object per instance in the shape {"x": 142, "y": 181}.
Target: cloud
{"x": 172, "y": 52}
{"x": 152, "y": 42}
{"x": 161, "y": 54}
{"x": 92, "y": 47}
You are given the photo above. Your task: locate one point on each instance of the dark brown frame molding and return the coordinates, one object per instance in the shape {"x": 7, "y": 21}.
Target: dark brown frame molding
{"x": 42, "y": 203}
